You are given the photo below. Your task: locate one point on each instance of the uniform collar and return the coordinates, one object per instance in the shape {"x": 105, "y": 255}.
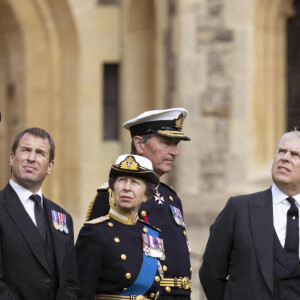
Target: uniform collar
{"x": 122, "y": 217}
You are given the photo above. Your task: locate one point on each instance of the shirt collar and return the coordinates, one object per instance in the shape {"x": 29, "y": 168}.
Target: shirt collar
{"x": 278, "y": 196}
{"x": 23, "y": 193}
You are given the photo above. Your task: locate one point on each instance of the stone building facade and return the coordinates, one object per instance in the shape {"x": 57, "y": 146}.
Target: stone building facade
{"x": 225, "y": 61}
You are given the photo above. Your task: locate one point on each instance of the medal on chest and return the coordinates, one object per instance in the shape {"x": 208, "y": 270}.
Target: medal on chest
{"x": 158, "y": 198}
{"x": 153, "y": 246}
{"x": 177, "y": 216}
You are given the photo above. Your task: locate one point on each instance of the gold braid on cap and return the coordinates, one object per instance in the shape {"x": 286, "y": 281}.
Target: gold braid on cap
{"x": 129, "y": 164}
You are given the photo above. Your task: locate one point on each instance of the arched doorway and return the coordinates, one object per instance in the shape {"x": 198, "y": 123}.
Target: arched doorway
{"x": 38, "y": 84}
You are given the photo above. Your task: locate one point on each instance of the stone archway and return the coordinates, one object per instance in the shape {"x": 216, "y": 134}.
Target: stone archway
{"x": 39, "y": 82}
{"x": 12, "y": 77}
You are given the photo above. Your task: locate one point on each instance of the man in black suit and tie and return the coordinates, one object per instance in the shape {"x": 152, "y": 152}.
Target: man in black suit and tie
{"x": 37, "y": 256}
{"x": 253, "y": 248}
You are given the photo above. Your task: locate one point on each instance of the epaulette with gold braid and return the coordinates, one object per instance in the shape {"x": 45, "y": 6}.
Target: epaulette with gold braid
{"x": 97, "y": 220}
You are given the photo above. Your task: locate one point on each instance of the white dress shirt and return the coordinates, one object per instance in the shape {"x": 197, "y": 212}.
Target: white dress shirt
{"x": 280, "y": 208}
{"x": 24, "y": 195}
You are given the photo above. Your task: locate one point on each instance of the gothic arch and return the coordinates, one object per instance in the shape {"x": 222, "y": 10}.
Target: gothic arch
{"x": 269, "y": 80}
{"x": 38, "y": 83}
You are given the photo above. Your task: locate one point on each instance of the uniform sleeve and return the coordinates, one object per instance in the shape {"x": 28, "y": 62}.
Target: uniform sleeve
{"x": 89, "y": 254}
{"x": 214, "y": 270}
{"x": 99, "y": 206}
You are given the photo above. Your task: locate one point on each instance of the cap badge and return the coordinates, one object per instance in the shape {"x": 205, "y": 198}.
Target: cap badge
{"x": 179, "y": 122}
{"x": 129, "y": 164}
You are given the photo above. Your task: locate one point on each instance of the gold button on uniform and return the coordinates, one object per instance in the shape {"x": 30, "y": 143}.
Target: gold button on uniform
{"x": 117, "y": 240}
{"x": 171, "y": 198}
{"x": 152, "y": 295}
{"x": 168, "y": 289}
{"x": 123, "y": 256}
{"x": 145, "y": 229}
{"x": 110, "y": 224}
{"x": 143, "y": 213}
{"x": 165, "y": 268}
{"x": 128, "y": 275}
{"x": 157, "y": 278}
{"x": 191, "y": 270}
{"x": 184, "y": 233}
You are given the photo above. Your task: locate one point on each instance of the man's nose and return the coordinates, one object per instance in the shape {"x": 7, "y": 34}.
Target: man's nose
{"x": 31, "y": 156}
{"x": 286, "y": 156}
{"x": 174, "y": 150}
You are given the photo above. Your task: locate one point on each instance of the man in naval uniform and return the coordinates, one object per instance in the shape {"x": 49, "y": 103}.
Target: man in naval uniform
{"x": 155, "y": 135}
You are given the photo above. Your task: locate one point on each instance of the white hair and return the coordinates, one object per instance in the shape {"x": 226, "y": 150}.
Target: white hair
{"x": 289, "y": 135}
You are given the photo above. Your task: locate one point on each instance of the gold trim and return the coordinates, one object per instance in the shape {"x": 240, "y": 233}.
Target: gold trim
{"x": 171, "y": 133}
{"x": 181, "y": 283}
{"x": 122, "y": 217}
{"x": 119, "y": 297}
{"x": 111, "y": 197}
{"x": 89, "y": 210}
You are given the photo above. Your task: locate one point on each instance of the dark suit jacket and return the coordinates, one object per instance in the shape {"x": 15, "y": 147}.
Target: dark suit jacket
{"x": 238, "y": 260}
{"x": 24, "y": 272}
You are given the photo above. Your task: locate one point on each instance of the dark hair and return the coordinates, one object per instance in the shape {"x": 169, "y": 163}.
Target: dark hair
{"x": 150, "y": 187}
{"x": 37, "y": 132}
{"x": 145, "y": 138}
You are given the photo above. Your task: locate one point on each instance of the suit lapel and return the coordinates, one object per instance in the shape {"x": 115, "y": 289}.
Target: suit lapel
{"x": 261, "y": 217}
{"x": 58, "y": 237}
{"x": 25, "y": 225}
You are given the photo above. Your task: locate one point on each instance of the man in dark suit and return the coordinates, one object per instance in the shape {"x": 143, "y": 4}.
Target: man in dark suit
{"x": 37, "y": 256}
{"x": 253, "y": 248}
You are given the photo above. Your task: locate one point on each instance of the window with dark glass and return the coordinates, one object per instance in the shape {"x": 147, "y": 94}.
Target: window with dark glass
{"x": 111, "y": 120}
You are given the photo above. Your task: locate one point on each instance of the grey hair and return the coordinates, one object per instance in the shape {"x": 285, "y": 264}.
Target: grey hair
{"x": 145, "y": 138}
{"x": 288, "y": 135}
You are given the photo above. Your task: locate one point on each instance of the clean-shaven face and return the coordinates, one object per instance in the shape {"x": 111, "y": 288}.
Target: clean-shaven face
{"x": 286, "y": 166}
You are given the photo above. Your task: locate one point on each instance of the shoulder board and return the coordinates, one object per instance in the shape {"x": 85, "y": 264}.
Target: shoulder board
{"x": 103, "y": 186}
{"x": 151, "y": 226}
{"x": 168, "y": 187}
{"x": 97, "y": 220}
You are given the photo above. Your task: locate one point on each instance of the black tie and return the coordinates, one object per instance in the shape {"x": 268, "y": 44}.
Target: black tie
{"x": 292, "y": 230}
{"x": 39, "y": 215}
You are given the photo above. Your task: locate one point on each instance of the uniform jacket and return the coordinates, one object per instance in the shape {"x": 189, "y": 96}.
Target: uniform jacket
{"x": 157, "y": 211}
{"x": 238, "y": 261}
{"x": 24, "y": 272}
{"x": 110, "y": 255}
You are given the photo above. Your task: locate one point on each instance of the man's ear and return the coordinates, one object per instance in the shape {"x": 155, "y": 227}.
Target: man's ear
{"x": 137, "y": 140}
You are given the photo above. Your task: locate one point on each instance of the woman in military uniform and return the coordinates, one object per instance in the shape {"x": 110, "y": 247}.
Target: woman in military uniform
{"x": 119, "y": 255}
